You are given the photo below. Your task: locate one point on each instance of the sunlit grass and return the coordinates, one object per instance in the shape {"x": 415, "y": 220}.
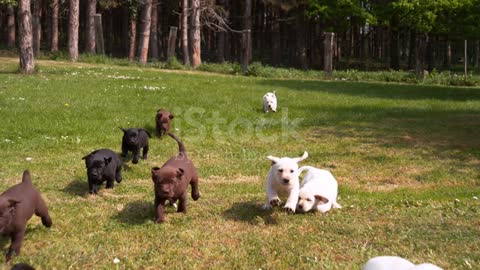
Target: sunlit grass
{"x": 407, "y": 160}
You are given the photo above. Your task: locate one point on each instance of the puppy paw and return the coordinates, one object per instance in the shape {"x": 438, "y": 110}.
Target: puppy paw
{"x": 135, "y": 161}
{"x": 159, "y": 220}
{"x": 275, "y": 202}
{"x": 289, "y": 210}
{"x": 266, "y": 206}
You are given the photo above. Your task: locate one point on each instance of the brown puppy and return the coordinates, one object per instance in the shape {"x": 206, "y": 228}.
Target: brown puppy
{"x": 17, "y": 205}
{"x": 162, "y": 120}
{"x": 171, "y": 180}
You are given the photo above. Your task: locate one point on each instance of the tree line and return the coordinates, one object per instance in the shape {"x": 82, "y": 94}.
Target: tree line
{"x": 398, "y": 34}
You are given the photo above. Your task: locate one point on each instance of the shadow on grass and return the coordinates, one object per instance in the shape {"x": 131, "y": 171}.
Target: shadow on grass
{"x": 78, "y": 187}
{"x": 250, "y": 212}
{"x": 136, "y": 213}
{"x": 379, "y": 90}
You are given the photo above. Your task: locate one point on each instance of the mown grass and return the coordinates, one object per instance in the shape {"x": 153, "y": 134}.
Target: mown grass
{"x": 406, "y": 157}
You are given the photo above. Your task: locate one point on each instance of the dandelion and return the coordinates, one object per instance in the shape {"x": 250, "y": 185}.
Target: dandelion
{"x": 66, "y": 104}
{"x": 28, "y": 159}
{"x": 475, "y": 197}
{"x": 116, "y": 260}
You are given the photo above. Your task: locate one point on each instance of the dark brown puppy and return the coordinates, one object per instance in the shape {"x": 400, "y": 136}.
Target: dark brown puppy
{"x": 171, "y": 180}
{"x": 162, "y": 120}
{"x": 17, "y": 205}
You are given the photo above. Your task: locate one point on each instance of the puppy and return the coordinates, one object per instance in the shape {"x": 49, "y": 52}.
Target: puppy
{"x": 396, "y": 263}
{"x": 318, "y": 190}
{"x": 171, "y": 180}
{"x": 102, "y": 165}
{"x": 162, "y": 120}
{"x": 17, "y": 205}
{"x": 282, "y": 180}
{"x": 133, "y": 140}
{"x": 270, "y": 102}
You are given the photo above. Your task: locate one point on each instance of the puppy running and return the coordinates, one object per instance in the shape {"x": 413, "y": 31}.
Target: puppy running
{"x": 133, "y": 140}
{"x": 318, "y": 191}
{"x": 270, "y": 102}
{"x": 282, "y": 180}
{"x": 171, "y": 180}
{"x": 17, "y": 205}
{"x": 102, "y": 164}
{"x": 162, "y": 121}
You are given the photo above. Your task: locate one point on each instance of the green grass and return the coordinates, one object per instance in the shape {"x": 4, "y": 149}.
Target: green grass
{"x": 407, "y": 160}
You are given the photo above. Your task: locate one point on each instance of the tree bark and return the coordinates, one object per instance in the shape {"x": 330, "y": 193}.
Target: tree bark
{"x": 328, "y": 53}
{"x": 430, "y": 57}
{"x": 27, "y": 64}
{"x": 73, "y": 22}
{"x": 247, "y": 24}
{"x": 90, "y": 37}
{"x": 411, "y": 50}
{"x": 301, "y": 49}
{"x": 99, "y": 42}
{"x": 186, "y": 50}
{"x": 11, "y": 27}
{"x": 394, "y": 50}
{"x": 477, "y": 54}
{"x": 36, "y": 26}
{"x": 154, "y": 31}
{"x": 133, "y": 37}
{"x": 420, "y": 55}
{"x": 172, "y": 40}
{"x": 448, "y": 54}
{"x": 145, "y": 33}
{"x": 54, "y": 40}
{"x": 195, "y": 34}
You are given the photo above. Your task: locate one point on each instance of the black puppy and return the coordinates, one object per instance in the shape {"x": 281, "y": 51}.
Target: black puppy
{"x": 102, "y": 165}
{"x": 17, "y": 205}
{"x": 133, "y": 140}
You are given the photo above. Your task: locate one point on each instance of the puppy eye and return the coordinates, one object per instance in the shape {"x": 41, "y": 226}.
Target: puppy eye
{"x": 309, "y": 200}
{"x": 281, "y": 170}
{"x": 291, "y": 171}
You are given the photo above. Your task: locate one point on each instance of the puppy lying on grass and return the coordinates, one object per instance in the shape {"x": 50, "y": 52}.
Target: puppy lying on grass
{"x": 102, "y": 164}
{"x": 318, "y": 190}
{"x": 17, "y": 205}
{"x": 396, "y": 263}
{"x": 282, "y": 180}
{"x": 162, "y": 121}
{"x": 171, "y": 180}
{"x": 133, "y": 140}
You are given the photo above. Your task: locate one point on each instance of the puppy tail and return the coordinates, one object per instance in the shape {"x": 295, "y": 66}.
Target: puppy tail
{"x": 26, "y": 177}
{"x": 304, "y": 168}
{"x": 181, "y": 147}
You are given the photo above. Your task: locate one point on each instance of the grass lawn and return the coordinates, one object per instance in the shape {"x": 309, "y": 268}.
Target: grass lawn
{"x": 407, "y": 159}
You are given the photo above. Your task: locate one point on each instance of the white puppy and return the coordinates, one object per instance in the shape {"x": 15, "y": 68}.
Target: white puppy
{"x": 282, "y": 180}
{"x": 396, "y": 263}
{"x": 270, "y": 102}
{"x": 318, "y": 191}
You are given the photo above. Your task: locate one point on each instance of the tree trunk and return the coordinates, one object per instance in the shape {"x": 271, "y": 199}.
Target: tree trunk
{"x": 145, "y": 33}
{"x": 328, "y": 53}
{"x": 133, "y": 37}
{"x": 394, "y": 50}
{"x": 247, "y": 24}
{"x": 411, "y": 51}
{"x": 275, "y": 41}
{"x": 448, "y": 54}
{"x": 27, "y": 64}
{"x": 11, "y": 26}
{"x": 195, "y": 34}
{"x": 301, "y": 51}
{"x": 90, "y": 37}
{"x": 73, "y": 21}
{"x": 186, "y": 50}
{"x": 154, "y": 31}
{"x": 420, "y": 55}
{"x": 430, "y": 54}
{"x": 54, "y": 40}
{"x": 99, "y": 41}
{"x": 477, "y": 54}
{"x": 36, "y": 26}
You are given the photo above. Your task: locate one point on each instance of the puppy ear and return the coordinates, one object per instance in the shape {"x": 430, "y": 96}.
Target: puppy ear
{"x": 180, "y": 172}
{"x": 321, "y": 199}
{"x": 171, "y": 116}
{"x": 302, "y": 158}
{"x": 155, "y": 171}
{"x": 273, "y": 159}
{"x": 124, "y": 130}
{"x": 275, "y": 93}
{"x": 108, "y": 160}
